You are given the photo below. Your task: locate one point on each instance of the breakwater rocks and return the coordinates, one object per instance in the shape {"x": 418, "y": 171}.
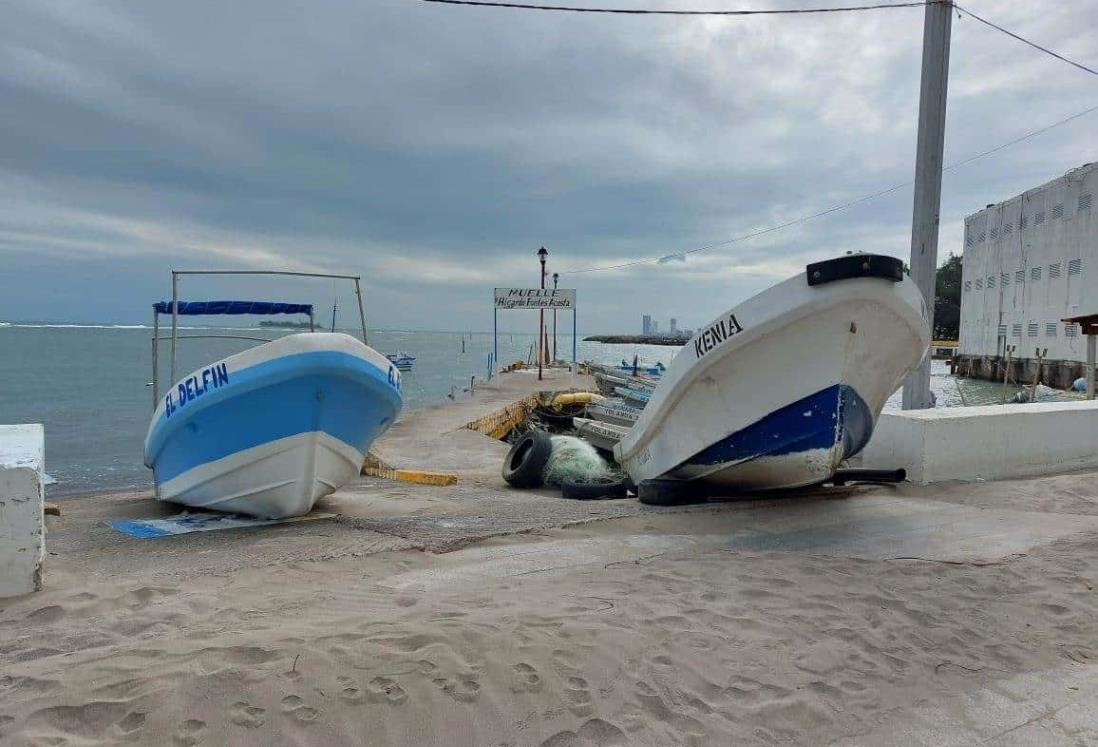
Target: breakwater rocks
{"x": 639, "y": 339}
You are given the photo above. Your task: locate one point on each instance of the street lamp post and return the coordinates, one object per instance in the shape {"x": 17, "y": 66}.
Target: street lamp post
{"x": 542, "y": 254}
{"x": 556, "y": 277}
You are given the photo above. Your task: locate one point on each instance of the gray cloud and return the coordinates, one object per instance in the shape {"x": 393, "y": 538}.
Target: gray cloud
{"x": 434, "y": 149}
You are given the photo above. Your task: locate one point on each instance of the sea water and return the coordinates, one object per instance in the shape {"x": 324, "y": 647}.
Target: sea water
{"x": 89, "y": 384}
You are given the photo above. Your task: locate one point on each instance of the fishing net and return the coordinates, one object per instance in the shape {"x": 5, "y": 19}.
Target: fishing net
{"x": 575, "y": 460}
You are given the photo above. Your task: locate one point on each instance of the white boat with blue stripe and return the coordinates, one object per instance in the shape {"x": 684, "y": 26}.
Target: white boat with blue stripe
{"x": 269, "y": 431}
{"x": 779, "y": 390}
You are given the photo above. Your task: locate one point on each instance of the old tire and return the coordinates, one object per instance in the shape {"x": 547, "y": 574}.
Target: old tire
{"x": 669, "y": 493}
{"x": 588, "y": 491}
{"x": 526, "y": 460}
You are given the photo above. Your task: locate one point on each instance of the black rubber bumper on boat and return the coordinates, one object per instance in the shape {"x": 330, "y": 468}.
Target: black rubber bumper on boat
{"x": 855, "y": 266}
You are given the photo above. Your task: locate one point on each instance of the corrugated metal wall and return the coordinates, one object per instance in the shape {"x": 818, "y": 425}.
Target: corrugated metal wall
{"x": 1028, "y": 262}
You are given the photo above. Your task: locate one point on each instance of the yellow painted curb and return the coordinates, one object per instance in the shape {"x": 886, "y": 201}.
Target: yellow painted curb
{"x": 424, "y": 477}
{"x": 374, "y": 467}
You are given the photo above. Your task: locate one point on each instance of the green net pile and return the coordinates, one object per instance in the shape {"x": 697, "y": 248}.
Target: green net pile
{"x": 575, "y": 460}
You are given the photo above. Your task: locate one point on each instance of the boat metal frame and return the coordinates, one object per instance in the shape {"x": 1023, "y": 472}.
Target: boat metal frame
{"x": 175, "y": 337}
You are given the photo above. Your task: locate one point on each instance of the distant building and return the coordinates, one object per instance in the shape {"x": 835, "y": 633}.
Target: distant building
{"x": 674, "y": 326}
{"x": 1029, "y": 262}
{"x": 646, "y": 324}
{"x": 655, "y": 328}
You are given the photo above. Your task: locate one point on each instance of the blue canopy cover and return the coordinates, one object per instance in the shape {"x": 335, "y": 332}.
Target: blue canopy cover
{"x": 202, "y": 308}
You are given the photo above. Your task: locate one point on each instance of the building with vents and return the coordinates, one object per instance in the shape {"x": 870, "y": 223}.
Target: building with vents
{"x": 1028, "y": 263}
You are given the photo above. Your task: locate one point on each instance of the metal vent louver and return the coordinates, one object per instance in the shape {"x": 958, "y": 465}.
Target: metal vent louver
{"x": 990, "y": 281}
{"x": 1054, "y": 271}
{"x": 968, "y": 285}
{"x": 1016, "y": 330}
{"x": 1039, "y": 218}
{"x": 978, "y": 284}
{"x": 1050, "y": 329}
{"x": 1075, "y": 266}
{"x": 1085, "y": 200}
{"x": 1071, "y": 330}
{"x": 1032, "y": 328}
{"x": 1035, "y": 273}
{"x": 1020, "y": 276}
{"x": 1004, "y": 279}
{"x": 1002, "y": 330}
{"x": 1057, "y": 212}
{"x": 1008, "y": 229}
{"x": 994, "y": 233}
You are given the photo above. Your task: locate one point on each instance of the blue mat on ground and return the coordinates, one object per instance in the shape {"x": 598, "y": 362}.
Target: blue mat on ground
{"x": 185, "y": 523}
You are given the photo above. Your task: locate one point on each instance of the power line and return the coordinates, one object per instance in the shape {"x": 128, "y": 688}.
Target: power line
{"x": 1022, "y": 39}
{"x": 644, "y": 12}
{"x": 838, "y": 208}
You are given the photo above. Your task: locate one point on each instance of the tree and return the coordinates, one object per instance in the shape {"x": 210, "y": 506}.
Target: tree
{"x": 947, "y": 300}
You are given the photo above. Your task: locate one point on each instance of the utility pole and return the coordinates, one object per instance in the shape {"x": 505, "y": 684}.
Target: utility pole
{"x": 937, "y": 20}
{"x": 542, "y": 254}
{"x": 556, "y": 277}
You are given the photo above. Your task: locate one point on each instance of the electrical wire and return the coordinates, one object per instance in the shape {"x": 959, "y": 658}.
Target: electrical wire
{"x": 644, "y": 12}
{"x": 836, "y": 208}
{"x": 1022, "y": 39}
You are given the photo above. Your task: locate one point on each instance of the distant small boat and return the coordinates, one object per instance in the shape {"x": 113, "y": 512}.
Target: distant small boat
{"x": 608, "y": 382}
{"x": 639, "y": 396}
{"x": 402, "y": 360}
{"x": 656, "y": 370}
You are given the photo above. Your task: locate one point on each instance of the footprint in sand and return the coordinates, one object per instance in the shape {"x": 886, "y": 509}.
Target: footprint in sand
{"x": 349, "y": 690}
{"x": 464, "y": 689}
{"x": 49, "y": 614}
{"x": 579, "y": 695}
{"x": 295, "y": 708}
{"x": 384, "y": 690}
{"x": 248, "y": 716}
{"x": 596, "y": 732}
{"x": 525, "y": 678}
{"x": 131, "y": 722}
{"x": 190, "y": 732}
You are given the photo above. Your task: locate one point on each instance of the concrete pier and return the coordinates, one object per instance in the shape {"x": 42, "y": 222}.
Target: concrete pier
{"x": 436, "y": 438}
{"x": 22, "y": 524}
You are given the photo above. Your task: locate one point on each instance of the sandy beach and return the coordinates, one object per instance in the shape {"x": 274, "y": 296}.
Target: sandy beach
{"x": 467, "y": 615}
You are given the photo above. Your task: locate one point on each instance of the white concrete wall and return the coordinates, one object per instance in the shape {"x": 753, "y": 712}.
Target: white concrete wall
{"x": 993, "y": 442}
{"x": 22, "y": 525}
{"x": 1018, "y": 283}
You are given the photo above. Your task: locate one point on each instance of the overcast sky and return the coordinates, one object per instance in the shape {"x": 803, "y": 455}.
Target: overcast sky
{"x": 432, "y": 149}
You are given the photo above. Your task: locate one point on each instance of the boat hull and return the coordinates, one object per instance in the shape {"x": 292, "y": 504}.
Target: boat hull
{"x": 270, "y": 431}
{"x": 778, "y": 391}
{"x": 615, "y": 412}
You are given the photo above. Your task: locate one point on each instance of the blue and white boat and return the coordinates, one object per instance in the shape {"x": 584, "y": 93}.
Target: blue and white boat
{"x": 780, "y": 389}
{"x": 639, "y": 397}
{"x": 403, "y": 361}
{"x": 269, "y": 431}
